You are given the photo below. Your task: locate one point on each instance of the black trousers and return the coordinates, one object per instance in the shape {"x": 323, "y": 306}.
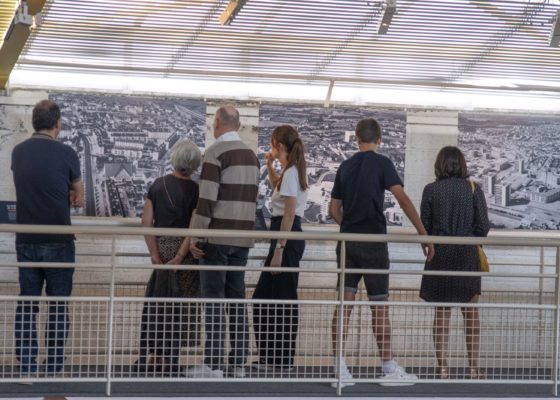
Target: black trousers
{"x": 276, "y": 325}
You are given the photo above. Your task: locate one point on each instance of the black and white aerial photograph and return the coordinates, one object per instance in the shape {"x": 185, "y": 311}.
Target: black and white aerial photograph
{"x": 515, "y": 158}
{"x": 124, "y": 144}
{"x": 329, "y": 138}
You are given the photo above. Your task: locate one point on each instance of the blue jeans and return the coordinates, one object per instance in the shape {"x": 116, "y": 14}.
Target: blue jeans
{"x": 225, "y": 285}
{"x": 31, "y": 281}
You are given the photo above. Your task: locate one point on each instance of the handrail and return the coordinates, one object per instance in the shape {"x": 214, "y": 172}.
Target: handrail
{"x": 136, "y": 222}
{"x": 536, "y": 239}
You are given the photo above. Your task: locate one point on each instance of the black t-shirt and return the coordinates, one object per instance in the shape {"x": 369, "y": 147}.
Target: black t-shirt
{"x": 360, "y": 183}
{"x": 175, "y": 210}
{"x": 43, "y": 171}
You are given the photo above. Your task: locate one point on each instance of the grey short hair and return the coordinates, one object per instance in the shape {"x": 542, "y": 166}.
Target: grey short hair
{"x": 185, "y": 157}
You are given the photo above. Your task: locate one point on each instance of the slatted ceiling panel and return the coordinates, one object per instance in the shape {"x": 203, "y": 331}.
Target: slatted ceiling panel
{"x": 429, "y": 42}
{"x": 7, "y": 9}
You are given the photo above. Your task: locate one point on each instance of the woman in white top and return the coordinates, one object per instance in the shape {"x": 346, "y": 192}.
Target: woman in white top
{"x": 276, "y": 325}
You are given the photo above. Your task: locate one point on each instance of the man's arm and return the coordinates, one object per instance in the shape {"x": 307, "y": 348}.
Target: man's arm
{"x": 208, "y": 190}
{"x": 335, "y": 210}
{"x": 412, "y": 214}
{"x": 77, "y": 193}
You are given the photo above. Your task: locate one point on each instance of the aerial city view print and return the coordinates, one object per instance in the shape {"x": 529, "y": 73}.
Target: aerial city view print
{"x": 124, "y": 144}
{"x": 515, "y": 158}
{"x": 329, "y": 138}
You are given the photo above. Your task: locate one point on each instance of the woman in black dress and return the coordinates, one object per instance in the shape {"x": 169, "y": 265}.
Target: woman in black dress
{"x": 170, "y": 203}
{"x": 450, "y": 207}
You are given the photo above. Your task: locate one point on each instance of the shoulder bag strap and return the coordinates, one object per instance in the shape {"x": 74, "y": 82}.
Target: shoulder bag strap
{"x": 167, "y": 193}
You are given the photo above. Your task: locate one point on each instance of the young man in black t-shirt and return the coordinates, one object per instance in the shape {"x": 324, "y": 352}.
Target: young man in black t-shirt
{"x": 357, "y": 206}
{"x": 48, "y": 181}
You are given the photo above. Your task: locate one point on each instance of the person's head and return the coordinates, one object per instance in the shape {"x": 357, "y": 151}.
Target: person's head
{"x": 46, "y": 117}
{"x": 287, "y": 146}
{"x": 450, "y": 163}
{"x": 368, "y": 131}
{"x": 226, "y": 120}
{"x": 185, "y": 158}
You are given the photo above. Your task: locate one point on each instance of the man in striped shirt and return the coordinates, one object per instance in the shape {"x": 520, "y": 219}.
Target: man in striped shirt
{"x": 228, "y": 195}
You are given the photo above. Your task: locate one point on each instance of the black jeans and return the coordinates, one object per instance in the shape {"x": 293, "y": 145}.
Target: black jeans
{"x": 276, "y": 325}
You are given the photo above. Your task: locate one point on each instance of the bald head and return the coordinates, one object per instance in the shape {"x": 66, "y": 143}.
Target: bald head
{"x": 226, "y": 120}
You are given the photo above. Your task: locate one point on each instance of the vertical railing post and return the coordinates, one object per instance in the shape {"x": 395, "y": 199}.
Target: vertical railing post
{"x": 359, "y": 328}
{"x": 110, "y": 314}
{"x": 340, "y": 339}
{"x": 556, "y": 324}
{"x": 541, "y": 329}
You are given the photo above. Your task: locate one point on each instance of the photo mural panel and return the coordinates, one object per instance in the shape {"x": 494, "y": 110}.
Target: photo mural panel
{"x": 124, "y": 144}
{"x": 515, "y": 158}
{"x": 329, "y": 138}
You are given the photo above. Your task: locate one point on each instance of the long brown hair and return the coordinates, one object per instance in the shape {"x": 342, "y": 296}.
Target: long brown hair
{"x": 288, "y": 136}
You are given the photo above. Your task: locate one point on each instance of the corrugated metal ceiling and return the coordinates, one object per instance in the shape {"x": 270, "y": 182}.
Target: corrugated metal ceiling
{"x": 448, "y": 43}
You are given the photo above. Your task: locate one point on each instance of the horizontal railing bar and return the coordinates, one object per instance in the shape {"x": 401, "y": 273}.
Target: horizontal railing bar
{"x": 305, "y": 259}
{"x": 245, "y": 301}
{"x": 541, "y": 239}
{"x": 260, "y": 258}
{"x": 199, "y": 267}
{"x": 123, "y": 285}
{"x": 136, "y": 222}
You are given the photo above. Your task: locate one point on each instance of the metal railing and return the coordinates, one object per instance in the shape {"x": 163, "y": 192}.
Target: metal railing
{"x": 519, "y": 342}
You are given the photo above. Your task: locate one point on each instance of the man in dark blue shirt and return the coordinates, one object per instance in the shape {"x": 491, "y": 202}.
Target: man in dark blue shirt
{"x": 48, "y": 181}
{"x": 357, "y": 206}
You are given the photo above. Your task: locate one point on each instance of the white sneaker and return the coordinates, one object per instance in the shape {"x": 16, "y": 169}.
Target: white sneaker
{"x": 399, "y": 374}
{"x": 262, "y": 367}
{"x": 203, "y": 371}
{"x": 237, "y": 371}
{"x": 344, "y": 375}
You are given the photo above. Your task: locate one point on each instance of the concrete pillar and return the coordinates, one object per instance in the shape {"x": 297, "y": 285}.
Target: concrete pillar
{"x": 426, "y": 133}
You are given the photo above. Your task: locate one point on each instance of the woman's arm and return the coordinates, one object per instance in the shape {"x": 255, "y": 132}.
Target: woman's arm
{"x": 273, "y": 177}
{"x": 183, "y": 250}
{"x": 148, "y": 222}
{"x": 481, "y": 222}
{"x": 285, "y": 226}
{"x": 426, "y": 211}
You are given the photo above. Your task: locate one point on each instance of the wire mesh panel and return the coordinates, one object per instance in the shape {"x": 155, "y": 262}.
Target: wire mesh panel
{"x": 53, "y": 339}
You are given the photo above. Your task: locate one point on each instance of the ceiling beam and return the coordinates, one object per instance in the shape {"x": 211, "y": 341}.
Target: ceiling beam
{"x": 231, "y": 11}
{"x": 16, "y": 37}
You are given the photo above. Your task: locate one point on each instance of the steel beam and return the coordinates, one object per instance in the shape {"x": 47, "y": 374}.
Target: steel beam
{"x": 16, "y": 37}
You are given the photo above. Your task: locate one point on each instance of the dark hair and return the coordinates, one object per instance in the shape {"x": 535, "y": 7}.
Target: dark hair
{"x": 46, "y": 114}
{"x": 368, "y": 130}
{"x": 288, "y": 136}
{"x": 450, "y": 163}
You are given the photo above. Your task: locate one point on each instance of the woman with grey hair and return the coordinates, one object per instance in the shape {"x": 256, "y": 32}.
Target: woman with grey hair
{"x": 166, "y": 327}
